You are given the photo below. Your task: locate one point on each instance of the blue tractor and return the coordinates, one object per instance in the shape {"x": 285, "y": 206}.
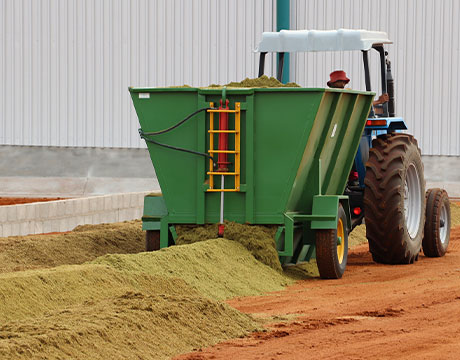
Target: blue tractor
{"x": 386, "y": 186}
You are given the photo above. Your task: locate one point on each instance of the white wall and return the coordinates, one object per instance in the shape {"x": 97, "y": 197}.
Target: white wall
{"x": 425, "y": 59}
{"x": 65, "y": 65}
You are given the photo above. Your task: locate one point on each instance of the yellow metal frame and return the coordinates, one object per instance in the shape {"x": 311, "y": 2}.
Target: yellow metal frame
{"x": 236, "y": 152}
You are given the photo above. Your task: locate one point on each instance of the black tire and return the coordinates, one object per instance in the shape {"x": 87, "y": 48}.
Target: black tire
{"x": 437, "y": 224}
{"x": 331, "y": 258}
{"x": 394, "y": 233}
{"x": 152, "y": 240}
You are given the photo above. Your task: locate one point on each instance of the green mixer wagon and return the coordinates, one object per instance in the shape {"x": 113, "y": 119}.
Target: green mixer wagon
{"x": 266, "y": 156}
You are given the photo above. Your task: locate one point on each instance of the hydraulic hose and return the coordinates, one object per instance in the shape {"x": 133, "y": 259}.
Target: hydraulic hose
{"x": 176, "y": 125}
{"x": 146, "y": 137}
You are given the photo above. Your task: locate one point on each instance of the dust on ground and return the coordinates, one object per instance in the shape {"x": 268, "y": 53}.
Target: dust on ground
{"x": 85, "y": 243}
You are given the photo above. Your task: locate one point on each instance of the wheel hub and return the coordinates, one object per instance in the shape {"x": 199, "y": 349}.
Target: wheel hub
{"x": 412, "y": 201}
{"x": 444, "y": 225}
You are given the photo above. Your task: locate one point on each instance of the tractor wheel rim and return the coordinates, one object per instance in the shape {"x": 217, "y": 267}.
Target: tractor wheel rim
{"x": 444, "y": 219}
{"x": 341, "y": 246}
{"x": 412, "y": 201}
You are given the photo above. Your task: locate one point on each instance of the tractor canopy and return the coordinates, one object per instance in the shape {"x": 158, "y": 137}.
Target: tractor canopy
{"x": 321, "y": 40}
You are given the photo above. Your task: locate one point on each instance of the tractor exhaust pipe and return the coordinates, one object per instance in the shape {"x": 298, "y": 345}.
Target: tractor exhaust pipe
{"x": 390, "y": 89}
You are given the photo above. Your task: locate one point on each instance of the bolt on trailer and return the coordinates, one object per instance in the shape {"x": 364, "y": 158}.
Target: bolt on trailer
{"x": 267, "y": 156}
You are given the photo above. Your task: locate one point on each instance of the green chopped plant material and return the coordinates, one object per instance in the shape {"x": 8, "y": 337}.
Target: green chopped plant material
{"x": 85, "y": 243}
{"x": 125, "y": 326}
{"x": 219, "y": 268}
{"x": 34, "y": 292}
{"x": 455, "y": 214}
{"x": 261, "y": 82}
{"x": 258, "y": 239}
{"x": 302, "y": 271}
{"x": 357, "y": 236}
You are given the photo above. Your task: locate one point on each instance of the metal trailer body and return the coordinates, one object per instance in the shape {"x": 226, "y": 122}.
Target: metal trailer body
{"x": 291, "y": 150}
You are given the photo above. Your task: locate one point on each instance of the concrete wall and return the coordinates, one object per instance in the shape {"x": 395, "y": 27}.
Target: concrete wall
{"x": 65, "y": 215}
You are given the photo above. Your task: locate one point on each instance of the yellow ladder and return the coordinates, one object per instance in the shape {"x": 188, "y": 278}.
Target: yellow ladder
{"x": 236, "y": 152}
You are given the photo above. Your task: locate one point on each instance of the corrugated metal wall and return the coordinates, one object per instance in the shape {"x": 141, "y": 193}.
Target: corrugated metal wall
{"x": 425, "y": 59}
{"x": 65, "y": 65}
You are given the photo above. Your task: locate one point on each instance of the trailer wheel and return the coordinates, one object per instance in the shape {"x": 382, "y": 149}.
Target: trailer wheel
{"x": 152, "y": 240}
{"x": 332, "y": 249}
{"x": 437, "y": 224}
{"x": 394, "y": 199}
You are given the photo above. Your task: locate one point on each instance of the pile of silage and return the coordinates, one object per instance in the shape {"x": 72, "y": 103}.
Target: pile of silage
{"x": 85, "y": 243}
{"x": 261, "y": 82}
{"x": 147, "y": 317}
{"x": 357, "y": 236}
{"x": 33, "y": 293}
{"x": 258, "y": 239}
{"x": 219, "y": 268}
{"x": 125, "y": 306}
{"x": 455, "y": 214}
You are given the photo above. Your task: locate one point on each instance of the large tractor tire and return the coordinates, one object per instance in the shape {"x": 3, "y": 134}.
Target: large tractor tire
{"x": 437, "y": 224}
{"x": 152, "y": 240}
{"x": 332, "y": 249}
{"x": 394, "y": 199}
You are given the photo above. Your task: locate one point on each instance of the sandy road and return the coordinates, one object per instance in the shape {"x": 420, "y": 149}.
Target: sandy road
{"x": 374, "y": 311}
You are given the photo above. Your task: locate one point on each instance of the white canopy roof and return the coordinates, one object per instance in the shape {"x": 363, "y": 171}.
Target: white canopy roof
{"x": 321, "y": 40}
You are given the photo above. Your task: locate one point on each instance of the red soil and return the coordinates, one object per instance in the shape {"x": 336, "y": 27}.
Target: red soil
{"x": 374, "y": 311}
{"x": 15, "y": 201}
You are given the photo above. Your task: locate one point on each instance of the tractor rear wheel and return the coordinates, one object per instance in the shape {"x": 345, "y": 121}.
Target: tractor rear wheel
{"x": 394, "y": 199}
{"x": 332, "y": 249}
{"x": 437, "y": 224}
{"x": 152, "y": 240}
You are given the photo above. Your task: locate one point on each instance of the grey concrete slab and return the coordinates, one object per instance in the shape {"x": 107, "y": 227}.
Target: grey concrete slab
{"x": 69, "y": 187}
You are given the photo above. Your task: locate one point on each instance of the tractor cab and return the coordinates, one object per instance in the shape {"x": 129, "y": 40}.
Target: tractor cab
{"x": 287, "y": 41}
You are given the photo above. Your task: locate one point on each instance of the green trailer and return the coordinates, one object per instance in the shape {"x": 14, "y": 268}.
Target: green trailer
{"x": 289, "y": 152}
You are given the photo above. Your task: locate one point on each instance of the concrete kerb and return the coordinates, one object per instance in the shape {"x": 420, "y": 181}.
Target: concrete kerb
{"x": 65, "y": 215}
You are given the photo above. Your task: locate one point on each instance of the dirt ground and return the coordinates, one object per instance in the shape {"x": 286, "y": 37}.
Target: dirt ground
{"x": 16, "y": 201}
{"x": 374, "y": 311}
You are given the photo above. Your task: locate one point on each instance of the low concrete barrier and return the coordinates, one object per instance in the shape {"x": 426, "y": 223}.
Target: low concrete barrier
{"x": 65, "y": 215}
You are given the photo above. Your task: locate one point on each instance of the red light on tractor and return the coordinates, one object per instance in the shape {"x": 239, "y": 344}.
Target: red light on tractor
{"x": 376, "y": 123}
{"x": 357, "y": 211}
{"x": 353, "y": 176}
